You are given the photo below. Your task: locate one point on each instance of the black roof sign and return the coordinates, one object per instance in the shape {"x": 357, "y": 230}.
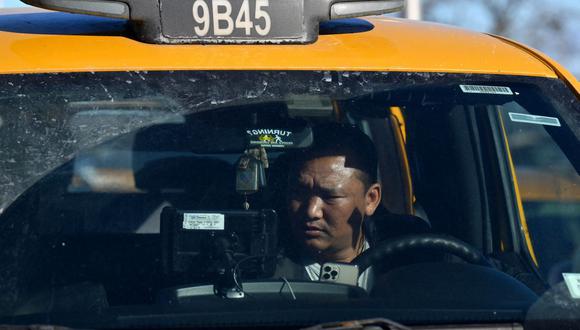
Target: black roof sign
{"x": 224, "y": 21}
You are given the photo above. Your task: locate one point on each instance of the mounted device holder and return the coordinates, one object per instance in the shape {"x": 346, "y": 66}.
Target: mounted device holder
{"x": 218, "y": 246}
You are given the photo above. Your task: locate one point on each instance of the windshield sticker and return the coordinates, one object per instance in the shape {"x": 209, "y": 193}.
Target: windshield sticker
{"x": 573, "y": 283}
{"x": 532, "y": 119}
{"x": 203, "y": 221}
{"x": 480, "y": 89}
{"x": 273, "y": 138}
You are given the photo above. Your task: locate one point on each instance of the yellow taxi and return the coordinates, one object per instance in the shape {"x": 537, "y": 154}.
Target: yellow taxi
{"x": 163, "y": 161}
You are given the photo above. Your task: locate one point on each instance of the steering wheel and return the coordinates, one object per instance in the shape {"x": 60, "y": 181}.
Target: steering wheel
{"x": 425, "y": 242}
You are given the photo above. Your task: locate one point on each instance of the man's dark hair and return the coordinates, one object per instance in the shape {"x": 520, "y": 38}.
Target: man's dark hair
{"x": 342, "y": 140}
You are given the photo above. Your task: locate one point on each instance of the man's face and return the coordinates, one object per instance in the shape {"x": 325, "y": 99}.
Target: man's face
{"x": 327, "y": 204}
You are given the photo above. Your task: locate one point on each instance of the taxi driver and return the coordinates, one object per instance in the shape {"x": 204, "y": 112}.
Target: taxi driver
{"x": 332, "y": 188}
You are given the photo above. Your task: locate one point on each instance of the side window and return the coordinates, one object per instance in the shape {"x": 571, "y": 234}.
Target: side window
{"x": 550, "y": 191}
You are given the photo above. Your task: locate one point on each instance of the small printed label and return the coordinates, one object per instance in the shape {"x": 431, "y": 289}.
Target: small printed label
{"x": 268, "y": 137}
{"x": 203, "y": 221}
{"x": 480, "y": 89}
{"x": 532, "y": 119}
{"x": 573, "y": 283}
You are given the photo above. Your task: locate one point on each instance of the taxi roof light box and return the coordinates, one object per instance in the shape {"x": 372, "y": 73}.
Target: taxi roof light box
{"x": 225, "y": 21}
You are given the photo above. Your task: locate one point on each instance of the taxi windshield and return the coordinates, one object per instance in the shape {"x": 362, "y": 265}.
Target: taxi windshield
{"x": 238, "y": 198}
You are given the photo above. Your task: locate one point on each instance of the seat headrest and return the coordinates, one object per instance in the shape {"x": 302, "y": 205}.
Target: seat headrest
{"x": 384, "y": 225}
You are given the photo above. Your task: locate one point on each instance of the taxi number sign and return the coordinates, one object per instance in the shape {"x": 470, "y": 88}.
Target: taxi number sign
{"x": 235, "y": 20}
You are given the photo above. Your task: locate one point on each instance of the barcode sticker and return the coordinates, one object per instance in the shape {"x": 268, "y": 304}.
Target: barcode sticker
{"x": 481, "y": 89}
{"x": 533, "y": 119}
{"x": 203, "y": 221}
{"x": 573, "y": 283}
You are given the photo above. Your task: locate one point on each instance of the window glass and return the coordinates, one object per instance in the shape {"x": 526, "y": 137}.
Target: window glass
{"x": 550, "y": 191}
{"x": 136, "y": 199}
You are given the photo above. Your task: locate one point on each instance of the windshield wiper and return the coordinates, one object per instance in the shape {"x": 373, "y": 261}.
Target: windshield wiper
{"x": 368, "y": 324}
{"x": 33, "y": 327}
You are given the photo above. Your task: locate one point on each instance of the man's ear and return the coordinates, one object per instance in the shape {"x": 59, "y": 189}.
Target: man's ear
{"x": 372, "y": 199}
